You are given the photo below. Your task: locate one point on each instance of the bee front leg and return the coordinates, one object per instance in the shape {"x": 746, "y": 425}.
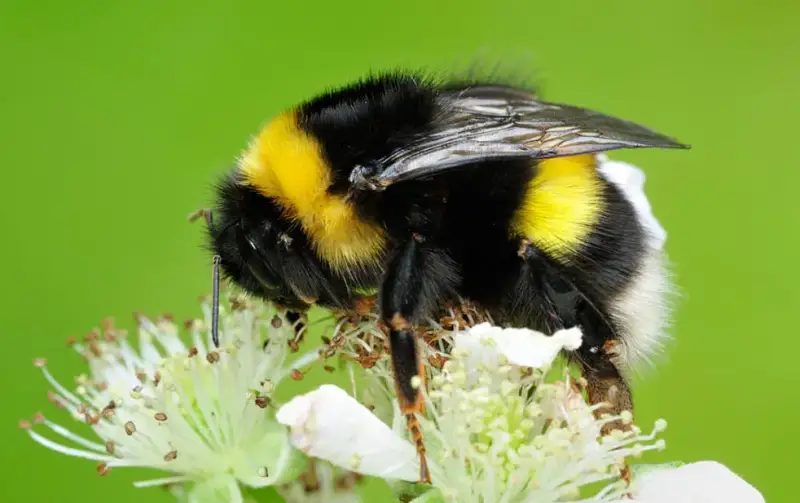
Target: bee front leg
{"x": 416, "y": 280}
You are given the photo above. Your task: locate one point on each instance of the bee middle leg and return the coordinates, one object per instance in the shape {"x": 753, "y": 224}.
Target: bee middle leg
{"x": 416, "y": 279}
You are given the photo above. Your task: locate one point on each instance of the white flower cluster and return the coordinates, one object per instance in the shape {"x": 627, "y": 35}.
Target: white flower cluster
{"x": 200, "y": 414}
{"x": 500, "y": 424}
{"x": 495, "y": 430}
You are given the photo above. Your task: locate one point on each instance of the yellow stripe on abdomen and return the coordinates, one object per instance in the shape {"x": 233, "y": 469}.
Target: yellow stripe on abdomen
{"x": 562, "y": 203}
{"x": 286, "y": 164}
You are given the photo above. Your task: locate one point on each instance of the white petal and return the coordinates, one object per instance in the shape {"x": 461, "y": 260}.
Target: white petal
{"x": 329, "y": 424}
{"x": 521, "y": 346}
{"x": 630, "y": 180}
{"x": 478, "y": 345}
{"x": 704, "y": 481}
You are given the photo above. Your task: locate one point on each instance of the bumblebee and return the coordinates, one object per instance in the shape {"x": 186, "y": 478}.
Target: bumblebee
{"x": 428, "y": 192}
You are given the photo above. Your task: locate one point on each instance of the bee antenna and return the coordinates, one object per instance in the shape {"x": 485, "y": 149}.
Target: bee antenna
{"x": 215, "y": 301}
{"x": 214, "y": 283}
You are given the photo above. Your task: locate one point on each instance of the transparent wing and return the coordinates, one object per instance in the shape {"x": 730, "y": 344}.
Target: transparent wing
{"x": 493, "y": 122}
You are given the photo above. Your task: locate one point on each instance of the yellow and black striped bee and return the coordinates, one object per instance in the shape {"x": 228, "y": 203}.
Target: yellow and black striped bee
{"x": 431, "y": 191}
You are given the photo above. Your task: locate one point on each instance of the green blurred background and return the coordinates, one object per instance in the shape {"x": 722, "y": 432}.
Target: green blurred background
{"x": 115, "y": 118}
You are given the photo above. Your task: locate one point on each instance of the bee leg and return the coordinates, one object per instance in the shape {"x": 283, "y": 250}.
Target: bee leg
{"x": 409, "y": 379}
{"x": 416, "y": 279}
{"x": 606, "y": 386}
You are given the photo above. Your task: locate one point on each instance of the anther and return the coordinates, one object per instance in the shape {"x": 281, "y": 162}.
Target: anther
{"x": 307, "y": 299}
{"x": 398, "y": 322}
{"x": 525, "y": 250}
{"x": 107, "y": 323}
{"x": 130, "y": 428}
{"x": 238, "y": 303}
{"x": 610, "y": 346}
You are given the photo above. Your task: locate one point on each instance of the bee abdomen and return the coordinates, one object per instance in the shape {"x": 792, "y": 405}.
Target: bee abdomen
{"x": 642, "y": 311}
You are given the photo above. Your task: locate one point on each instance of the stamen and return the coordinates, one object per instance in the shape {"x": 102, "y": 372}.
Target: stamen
{"x": 69, "y": 451}
{"x": 161, "y": 482}
{"x": 302, "y": 361}
{"x": 72, "y": 436}
{"x": 54, "y": 383}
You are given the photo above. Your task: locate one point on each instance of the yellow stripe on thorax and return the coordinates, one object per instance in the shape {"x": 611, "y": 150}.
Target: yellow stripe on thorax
{"x": 286, "y": 164}
{"x": 561, "y": 205}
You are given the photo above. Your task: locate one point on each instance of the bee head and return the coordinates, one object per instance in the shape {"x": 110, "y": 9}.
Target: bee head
{"x": 250, "y": 236}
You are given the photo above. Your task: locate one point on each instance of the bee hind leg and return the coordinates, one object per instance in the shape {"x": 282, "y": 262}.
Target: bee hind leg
{"x": 605, "y": 385}
{"x": 416, "y": 280}
{"x": 409, "y": 379}
{"x": 607, "y": 388}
